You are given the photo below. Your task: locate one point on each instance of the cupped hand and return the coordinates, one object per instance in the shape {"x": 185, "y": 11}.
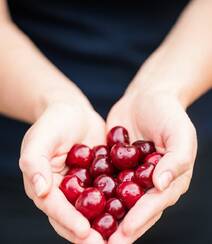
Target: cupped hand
{"x": 157, "y": 116}
{"x": 43, "y": 153}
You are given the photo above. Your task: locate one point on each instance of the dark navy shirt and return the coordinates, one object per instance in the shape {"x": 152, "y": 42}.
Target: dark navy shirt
{"x": 100, "y": 45}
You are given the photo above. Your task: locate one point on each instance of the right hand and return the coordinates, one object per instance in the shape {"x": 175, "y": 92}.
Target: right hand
{"x": 43, "y": 153}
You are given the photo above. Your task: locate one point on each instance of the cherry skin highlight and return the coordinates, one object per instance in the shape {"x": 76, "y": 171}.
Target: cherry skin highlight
{"x": 79, "y": 156}
{"x": 115, "y": 207}
{"x": 129, "y": 193}
{"x": 143, "y": 175}
{"x": 91, "y": 203}
{"x": 72, "y": 187}
{"x": 153, "y": 158}
{"x": 100, "y": 150}
{"x": 101, "y": 165}
{"x": 124, "y": 156}
{"x": 105, "y": 224}
{"x": 126, "y": 175}
{"x": 145, "y": 148}
{"x": 117, "y": 134}
{"x": 82, "y": 174}
{"x": 105, "y": 184}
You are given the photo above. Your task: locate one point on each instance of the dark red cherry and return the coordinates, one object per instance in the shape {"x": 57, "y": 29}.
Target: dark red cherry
{"x": 117, "y": 134}
{"x": 115, "y": 207}
{"x": 91, "y": 203}
{"x": 79, "y": 156}
{"x": 100, "y": 150}
{"x": 105, "y": 224}
{"x": 126, "y": 175}
{"x": 105, "y": 184}
{"x": 124, "y": 156}
{"x": 145, "y": 148}
{"x": 153, "y": 158}
{"x": 129, "y": 193}
{"x": 82, "y": 174}
{"x": 101, "y": 165}
{"x": 72, "y": 187}
{"x": 143, "y": 175}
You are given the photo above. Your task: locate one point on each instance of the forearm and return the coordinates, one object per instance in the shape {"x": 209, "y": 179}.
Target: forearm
{"x": 28, "y": 81}
{"x": 182, "y": 64}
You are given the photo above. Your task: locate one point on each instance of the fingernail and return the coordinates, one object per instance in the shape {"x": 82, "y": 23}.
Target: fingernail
{"x": 39, "y": 184}
{"x": 165, "y": 180}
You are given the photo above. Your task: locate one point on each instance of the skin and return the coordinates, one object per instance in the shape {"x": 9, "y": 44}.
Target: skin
{"x": 153, "y": 107}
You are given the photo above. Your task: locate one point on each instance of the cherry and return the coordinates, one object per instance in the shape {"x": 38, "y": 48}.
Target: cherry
{"x": 105, "y": 224}
{"x": 90, "y": 203}
{"x": 82, "y": 174}
{"x": 117, "y": 134}
{"x": 115, "y": 207}
{"x": 79, "y": 156}
{"x": 100, "y": 150}
{"x": 105, "y": 184}
{"x": 143, "y": 175}
{"x": 129, "y": 193}
{"x": 153, "y": 158}
{"x": 145, "y": 148}
{"x": 101, "y": 165}
{"x": 72, "y": 187}
{"x": 126, "y": 175}
{"x": 124, "y": 156}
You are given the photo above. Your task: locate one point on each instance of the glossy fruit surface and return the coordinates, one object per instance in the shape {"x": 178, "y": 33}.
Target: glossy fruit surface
{"x": 145, "y": 148}
{"x": 124, "y": 156}
{"x": 153, "y": 158}
{"x": 126, "y": 175}
{"x": 72, "y": 187}
{"x": 143, "y": 175}
{"x": 101, "y": 165}
{"x": 82, "y": 174}
{"x": 90, "y": 203}
{"x": 105, "y": 184}
{"x": 79, "y": 156}
{"x": 129, "y": 193}
{"x": 115, "y": 207}
{"x": 100, "y": 150}
{"x": 105, "y": 224}
{"x": 117, "y": 134}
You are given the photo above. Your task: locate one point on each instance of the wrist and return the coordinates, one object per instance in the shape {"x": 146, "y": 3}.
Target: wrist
{"x": 167, "y": 72}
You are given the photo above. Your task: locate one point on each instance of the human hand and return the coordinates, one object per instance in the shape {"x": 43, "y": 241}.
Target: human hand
{"x": 156, "y": 115}
{"x": 43, "y": 153}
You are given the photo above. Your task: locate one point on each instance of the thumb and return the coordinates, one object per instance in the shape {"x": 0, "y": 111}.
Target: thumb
{"x": 179, "y": 157}
{"x": 35, "y": 165}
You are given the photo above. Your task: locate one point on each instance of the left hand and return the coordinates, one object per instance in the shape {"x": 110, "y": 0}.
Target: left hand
{"x": 157, "y": 116}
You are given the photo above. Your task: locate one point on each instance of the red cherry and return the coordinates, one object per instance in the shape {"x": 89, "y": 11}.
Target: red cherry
{"x": 90, "y": 203}
{"x": 115, "y": 207}
{"x": 153, "y": 158}
{"x": 79, "y": 156}
{"x": 129, "y": 193}
{"x": 145, "y": 148}
{"x": 124, "y": 156}
{"x": 100, "y": 150}
{"x": 105, "y": 224}
{"x": 143, "y": 175}
{"x": 101, "y": 165}
{"x": 72, "y": 187}
{"x": 105, "y": 184}
{"x": 82, "y": 174}
{"x": 117, "y": 134}
{"x": 126, "y": 175}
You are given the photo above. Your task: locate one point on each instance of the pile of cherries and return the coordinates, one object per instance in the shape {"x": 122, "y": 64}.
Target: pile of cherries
{"x": 105, "y": 182}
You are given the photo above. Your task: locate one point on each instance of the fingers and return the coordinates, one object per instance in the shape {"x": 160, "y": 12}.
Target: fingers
{"x": 153, "y": 203}
{"x": 119, "y": 237}
{"x": 179, "y": 157}
{"x": 58, "y": 208}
